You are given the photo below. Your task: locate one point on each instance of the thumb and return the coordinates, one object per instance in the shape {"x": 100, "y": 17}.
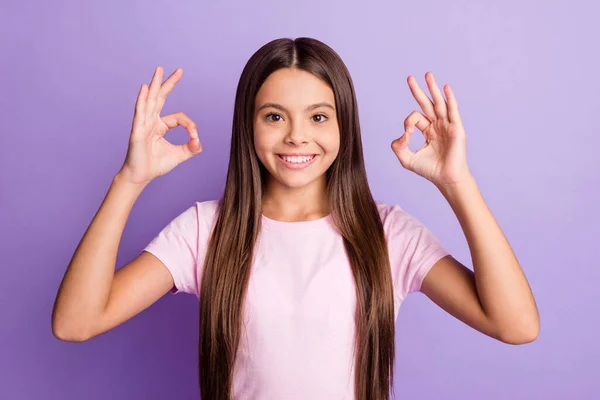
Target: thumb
{"x": 400, "y": 148}
{"x": 190, "y": 149}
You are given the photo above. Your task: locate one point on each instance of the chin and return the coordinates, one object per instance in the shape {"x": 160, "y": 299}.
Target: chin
{"x": 295, "y": 182}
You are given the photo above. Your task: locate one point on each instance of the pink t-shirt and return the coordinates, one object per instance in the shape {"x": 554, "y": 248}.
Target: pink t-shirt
{"x": 297, "y": 341}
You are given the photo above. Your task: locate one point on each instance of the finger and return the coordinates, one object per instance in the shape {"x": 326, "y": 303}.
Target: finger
{"x": 166, "y": 88}
{"x": 193, "y": 146}
{"x": 416, "y": 119}
{"x": 153, "y": 92}
{"x": 181, "y": 119}
{"x": 422, "y": 99}
{"x": 140, "y": 103}
{"x": 440, "y": 106}
{"x": 400, "y": 148}
{"x": 189, "y": 149}
{"x": 453, "y": 113}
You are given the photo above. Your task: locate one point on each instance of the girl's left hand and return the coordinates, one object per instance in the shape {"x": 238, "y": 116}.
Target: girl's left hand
{"x": 442, "y": 159}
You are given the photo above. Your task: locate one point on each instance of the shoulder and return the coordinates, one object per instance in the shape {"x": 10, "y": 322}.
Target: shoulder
{"x": 205, "y": 212}
{"x": 198, "y": 216}
{"x": 207, "y": 208}
{"x": 388, "y": 210}
{"x": 389, "y": 213}
{"x": 200, "y": 210}
{"x": 396, "y": 220}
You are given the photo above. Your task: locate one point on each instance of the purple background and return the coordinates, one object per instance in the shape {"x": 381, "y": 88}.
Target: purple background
{"x": 526, "y": 77}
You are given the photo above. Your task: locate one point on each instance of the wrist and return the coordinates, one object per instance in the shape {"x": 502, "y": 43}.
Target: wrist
{"x": 121, "y": 180}
{"x": 459, "y": 187}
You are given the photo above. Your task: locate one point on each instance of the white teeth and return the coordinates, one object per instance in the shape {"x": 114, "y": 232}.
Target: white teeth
{"x": 298, "y": 160}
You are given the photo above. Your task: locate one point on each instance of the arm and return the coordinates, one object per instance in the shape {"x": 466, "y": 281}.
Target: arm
{"x": 92, "y": 298}
{"x": 496, "y": 298}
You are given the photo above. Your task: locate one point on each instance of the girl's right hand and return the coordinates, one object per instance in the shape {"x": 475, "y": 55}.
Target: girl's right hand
{"x": 149, "y": 154}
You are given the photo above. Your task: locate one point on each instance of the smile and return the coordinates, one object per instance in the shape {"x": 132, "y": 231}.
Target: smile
{"x": 297, "y": 162}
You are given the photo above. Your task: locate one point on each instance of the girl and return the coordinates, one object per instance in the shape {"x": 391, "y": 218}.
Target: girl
{"x": 300, "y": 273}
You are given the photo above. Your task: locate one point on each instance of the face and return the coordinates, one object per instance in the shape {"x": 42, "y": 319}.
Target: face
{"x": 296, "y": 134}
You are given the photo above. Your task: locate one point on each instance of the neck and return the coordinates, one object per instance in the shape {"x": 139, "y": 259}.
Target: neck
{"x": 283, "y": 203}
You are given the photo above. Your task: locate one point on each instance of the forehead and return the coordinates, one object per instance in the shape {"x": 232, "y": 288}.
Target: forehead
{"x": 294, "y": 88}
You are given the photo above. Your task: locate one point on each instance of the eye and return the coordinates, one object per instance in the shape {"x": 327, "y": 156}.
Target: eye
{"x": 321, "y": 119}
{"x": 274, "y": 115}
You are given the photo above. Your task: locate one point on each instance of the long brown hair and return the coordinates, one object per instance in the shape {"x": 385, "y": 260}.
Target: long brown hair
{"x": 353, "y": 210}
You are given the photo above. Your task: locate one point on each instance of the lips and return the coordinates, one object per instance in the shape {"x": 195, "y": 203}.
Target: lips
{"x": 311, "y": 156}
{"x": 296, "y": 154}
{"x": 301, "y": 165}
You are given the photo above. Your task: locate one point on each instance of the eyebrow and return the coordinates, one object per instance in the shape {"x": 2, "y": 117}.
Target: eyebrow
{"x": 309, "y": 108}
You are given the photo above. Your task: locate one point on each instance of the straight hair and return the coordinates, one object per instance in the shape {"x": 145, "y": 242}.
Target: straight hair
{"x": 354, "y": 213}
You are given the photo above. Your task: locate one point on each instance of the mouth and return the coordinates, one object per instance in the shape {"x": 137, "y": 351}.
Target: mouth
{"x": 297, "y": 162}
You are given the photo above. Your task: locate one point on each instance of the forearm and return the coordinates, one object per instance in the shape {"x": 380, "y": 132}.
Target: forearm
{"x": 502, "y": 287}
{"x": 85, "y": 288}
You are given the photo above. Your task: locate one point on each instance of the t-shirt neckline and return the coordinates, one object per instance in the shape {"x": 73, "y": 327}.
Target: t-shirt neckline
{"x": 287, "y": 225}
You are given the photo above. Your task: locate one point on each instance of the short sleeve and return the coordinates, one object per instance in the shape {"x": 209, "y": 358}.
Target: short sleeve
{"x": 413, "y": 249}
{"x": 177, "y": 247}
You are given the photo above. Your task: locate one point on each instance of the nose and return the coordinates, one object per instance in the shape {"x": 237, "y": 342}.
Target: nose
{"x": 297, "y": 134}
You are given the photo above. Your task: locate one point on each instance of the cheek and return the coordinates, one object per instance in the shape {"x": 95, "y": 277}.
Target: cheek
{"x": 331, "y": 142}
{"x": 263, "y": 145}
{"x": 260, "y": 140}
